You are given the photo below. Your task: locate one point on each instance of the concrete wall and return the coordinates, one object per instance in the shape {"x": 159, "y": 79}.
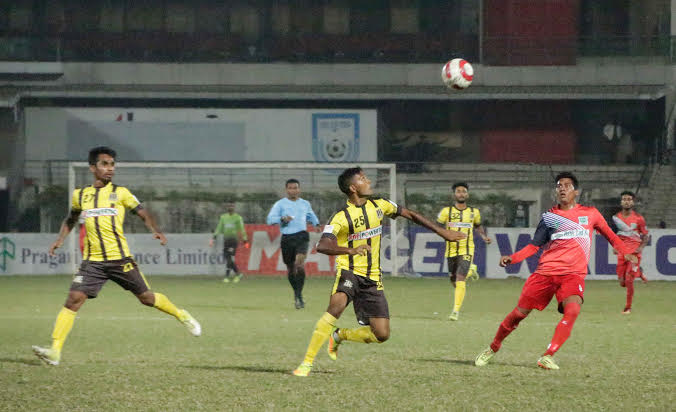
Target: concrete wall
{"x": 597, "y": 72}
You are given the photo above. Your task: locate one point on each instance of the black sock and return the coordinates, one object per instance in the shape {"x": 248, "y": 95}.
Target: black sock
{"x": 293, "y": 282}
{"x": 300, "y": 281}
{"x": 230, "y": 261}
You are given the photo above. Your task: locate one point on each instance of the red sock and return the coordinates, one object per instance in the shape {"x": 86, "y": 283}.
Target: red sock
{"x": 629, "y": 282}
{"x": 563, "y": 329}
{"x": 506, "y": 327}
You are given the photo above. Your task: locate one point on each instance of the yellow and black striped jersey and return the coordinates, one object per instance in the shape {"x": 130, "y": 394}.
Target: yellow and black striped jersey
{"x": 353, "y": 226}
{"x": 103, "y": 210}
{"x": 464, "y": 221}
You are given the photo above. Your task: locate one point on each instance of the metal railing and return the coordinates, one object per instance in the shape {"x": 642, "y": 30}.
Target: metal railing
{"x": 213, "y": 47}
{"x": 162, "y": 46}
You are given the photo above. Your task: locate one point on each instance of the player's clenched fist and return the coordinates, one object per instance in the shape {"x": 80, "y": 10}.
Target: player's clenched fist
{"x": 631, "y": 258}
{"x": 55, "y": 246}
{"x": 361, "y": 250}
{"x": 505, "y": 260}
{"x": 453, "y": 235}
{"x": 161, "y": 237}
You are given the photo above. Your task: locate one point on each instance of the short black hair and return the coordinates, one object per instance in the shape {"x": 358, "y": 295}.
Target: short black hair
{"x": 460, "y": 184}
{"x": 95, "y": 152}
{"x": 628, "y": 193}
{"x": 345, "y": 178}
{"x": 288, "y": 182}
{"x": 568, "y": 175}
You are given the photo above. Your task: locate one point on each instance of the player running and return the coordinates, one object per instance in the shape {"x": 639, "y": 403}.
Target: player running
{"x": 632, "y": 231}
{"x": 460, "y": 253}
{"x": 353, "y": 234}
{"x": 106, "y": 253}
{"x": 231, "y": 226}
{"x": 565, "y": 233}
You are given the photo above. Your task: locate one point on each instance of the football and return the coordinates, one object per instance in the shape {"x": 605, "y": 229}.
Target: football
{"x": 457, "y": 74}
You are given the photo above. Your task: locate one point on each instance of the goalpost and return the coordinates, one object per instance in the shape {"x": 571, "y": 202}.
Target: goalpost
{"x": 185, "y": 194}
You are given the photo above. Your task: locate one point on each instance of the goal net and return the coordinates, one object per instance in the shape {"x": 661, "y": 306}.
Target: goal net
{"x": 188, "y": 198}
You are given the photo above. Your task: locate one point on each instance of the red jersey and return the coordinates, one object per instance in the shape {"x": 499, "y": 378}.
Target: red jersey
{"x": 565, "y": 236}
{"x": 630, "y": 229}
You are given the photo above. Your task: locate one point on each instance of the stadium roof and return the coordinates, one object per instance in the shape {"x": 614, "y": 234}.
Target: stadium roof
{"x": 9, "y": 96}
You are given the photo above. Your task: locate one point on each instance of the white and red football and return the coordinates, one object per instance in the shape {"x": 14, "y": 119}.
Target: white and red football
{"x": 457, "y": 74}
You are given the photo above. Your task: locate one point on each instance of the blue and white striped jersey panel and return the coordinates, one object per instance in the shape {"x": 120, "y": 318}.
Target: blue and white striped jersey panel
{"x": 562, "y": 229}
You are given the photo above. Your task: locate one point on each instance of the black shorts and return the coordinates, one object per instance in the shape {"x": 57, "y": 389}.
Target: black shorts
{"x": 459, "y": 264}
{"x": 294, "y": 244}
{"x": 368, "y": 300}
{"x": 230, "y": 246}
{"x": 93, "y": 275}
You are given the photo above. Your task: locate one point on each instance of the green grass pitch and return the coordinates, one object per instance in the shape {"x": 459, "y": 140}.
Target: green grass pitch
{"x": 121, "y": 355}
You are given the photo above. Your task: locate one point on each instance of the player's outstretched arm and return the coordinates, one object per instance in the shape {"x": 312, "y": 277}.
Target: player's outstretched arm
{"x": 542, "y": 236}
{"x": 645, "y": 239}
{"x": 219, "y": 228}
{"x": 275, "y": 216}
{"x": 150, "y": 223}
{"x": 482, "y": 233}
{"x": 450, "y": 235}
{"x": 242, "y": 231}
{"x": 645, "y": 235}
{"x": 66, "y": 227}
{"x": 518, "y": 256}
{"x": 311, "y": 216}
{"x": 328, "y": 245}
{"x": 613, "y": 239}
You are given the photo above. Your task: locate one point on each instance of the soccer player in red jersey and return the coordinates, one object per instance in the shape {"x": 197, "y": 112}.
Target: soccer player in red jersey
{"x": 631, "y": 229}
{"x": 564, "y": 233}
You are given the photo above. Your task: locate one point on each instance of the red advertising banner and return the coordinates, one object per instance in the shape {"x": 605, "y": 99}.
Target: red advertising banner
{"x": 264, "y": 254}
{"x": 528, "y": 145}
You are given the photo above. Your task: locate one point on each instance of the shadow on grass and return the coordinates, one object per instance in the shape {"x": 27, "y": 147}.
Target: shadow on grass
{"x": 25, "y": 361}
{"x": 468, "y": 362}
{"x": 244, "y": 368}
{"x": 420, "y": 317}
{"x": 229, "y": 307}
{"x": 440, "y": 360}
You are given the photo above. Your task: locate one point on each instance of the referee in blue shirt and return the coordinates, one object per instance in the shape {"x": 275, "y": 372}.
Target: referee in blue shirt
{"x": 292, "y": 214}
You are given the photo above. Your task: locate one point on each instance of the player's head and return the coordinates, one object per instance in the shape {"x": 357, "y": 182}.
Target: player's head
{"x": 292, "y": 189}
{"x": 230, "y": 207}
{"x": 354, "y": 181}
{"x": 627, "y": 200}
{"x": 461, "y": 192}
{"x": 567, "y": 188}
{"x": 102, "y": 163}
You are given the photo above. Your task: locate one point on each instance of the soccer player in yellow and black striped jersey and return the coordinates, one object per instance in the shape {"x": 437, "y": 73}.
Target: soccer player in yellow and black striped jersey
{"x": 106, "y": 254}
{"x": 354, "y": 234}
{"x": 459, "y": 254}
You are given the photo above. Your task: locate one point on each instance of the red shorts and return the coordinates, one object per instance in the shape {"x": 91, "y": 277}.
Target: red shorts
{"x": 539, "y": 290}
{"x": 624, "y": 267}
